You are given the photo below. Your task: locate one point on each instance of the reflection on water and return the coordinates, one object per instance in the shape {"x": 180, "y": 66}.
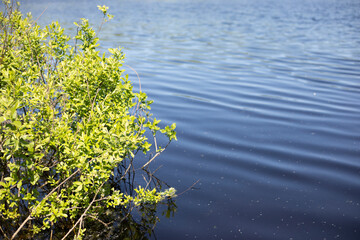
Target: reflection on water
{"x": 124, "y": 224}
{"x": 265, "y": 95}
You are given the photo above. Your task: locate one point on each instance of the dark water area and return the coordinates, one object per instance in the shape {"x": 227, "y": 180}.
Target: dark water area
{"x": 266, "y": 97}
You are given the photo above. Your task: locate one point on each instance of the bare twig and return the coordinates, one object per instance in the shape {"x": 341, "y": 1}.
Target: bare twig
{"x": 147, "y": 182}
{"x": 127, "y": 170}
{"x": 136, "y": 74}
{"x": 46, "y": 197}
{"x": 39, "y": 16}
{"x": 3, "y": 233}
{"x": 138, "y": 104}
{"x": 155, "y": 143}
{"x": 155, "y": 156}
{"x": 152, "y": 159}
{"x": 189, "y": 187}
{"x": 51, "y": 232}
{"x": 102, "y": 23}
{"x": 151, "y": 176}
{"x": 84, "y": 213}
{"x": 81, "y": 221}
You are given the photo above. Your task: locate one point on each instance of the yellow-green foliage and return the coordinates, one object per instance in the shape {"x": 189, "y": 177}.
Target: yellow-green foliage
{"x": 68, "y": 117}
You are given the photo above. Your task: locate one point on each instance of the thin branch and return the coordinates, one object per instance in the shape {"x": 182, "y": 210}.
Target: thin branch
{"x": 21, "y": 226}
{"x": 81, "y": 222}
{"x": 156, "y": 147}
{"x": 127, "y": 215}
{"x": 155, "y": 156}
{"x": 46, "y": 197}
{"x": 39, "y": 16}
{"x": 191, "y": 187}
{"x": 51, "y": 232}
{"x": 97, "y": 92}
{"x": 75, "y": 40}
{"x": 147, "y": 182}
{"x": 151, "y": 176}
{"x": 127, "y": 170}
{"x": 84, "y": 213}
{"x": 152, "y": 159}
{"x": 93, "y": 217}
{"x": 102, "y": 23}
{"x": 136, "y": 74}
{"x": 88, "y": 90}
{"x": 4, "y": 233}
{"x": 138, "y": 104}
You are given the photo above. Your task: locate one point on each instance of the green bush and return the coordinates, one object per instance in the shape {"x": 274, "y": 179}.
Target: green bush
{"x": 68, "y": 119}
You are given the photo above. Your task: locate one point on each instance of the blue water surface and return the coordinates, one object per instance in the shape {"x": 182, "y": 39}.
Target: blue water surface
{"x": 266, "y": 97}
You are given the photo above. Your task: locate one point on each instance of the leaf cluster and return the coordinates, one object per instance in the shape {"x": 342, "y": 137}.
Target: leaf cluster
{"x": 68, "y": 118}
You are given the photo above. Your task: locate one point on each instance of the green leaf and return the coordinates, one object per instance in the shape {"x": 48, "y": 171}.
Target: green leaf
{"x": 36, "y": 178}
{"x": 13, "y": 111}
{"x": 9, "y": 179}
{"x": 19, "y": 184}
{"x": 79, "y": 186}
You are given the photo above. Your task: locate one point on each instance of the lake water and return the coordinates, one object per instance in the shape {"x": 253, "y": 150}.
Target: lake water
{"x": 266, "y": 97}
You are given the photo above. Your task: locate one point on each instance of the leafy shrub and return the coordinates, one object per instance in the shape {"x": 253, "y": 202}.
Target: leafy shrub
{"x": 68, "y": 119}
